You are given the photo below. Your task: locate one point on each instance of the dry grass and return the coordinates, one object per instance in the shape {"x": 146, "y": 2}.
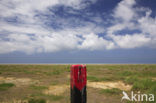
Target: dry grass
{"x": 50, "y": 83}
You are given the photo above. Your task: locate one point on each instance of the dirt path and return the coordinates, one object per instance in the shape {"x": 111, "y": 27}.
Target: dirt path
{"x": 109, "y": 85}
{"x": 56, "y": 89}
{"x": 60, "y": 89}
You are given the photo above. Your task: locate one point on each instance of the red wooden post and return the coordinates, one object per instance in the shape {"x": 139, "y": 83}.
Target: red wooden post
{"x": 78, "y": 84}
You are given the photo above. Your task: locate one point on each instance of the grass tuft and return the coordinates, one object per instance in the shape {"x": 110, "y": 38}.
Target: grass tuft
{"x": 113, "y": 91}
{"x": 55, "y": 97}
{"x": 92, "y": 78}
{"x": 56, "y": 72}
{"x": 96, "y": 79}
{"x": 131, "y": 79}
{"x": 38, "y": 87}
{"x": 6, "y": 86}
{"x": 36, "y": 100}
{"x": 126, "y": 73}
{"x": 144, "y": 84}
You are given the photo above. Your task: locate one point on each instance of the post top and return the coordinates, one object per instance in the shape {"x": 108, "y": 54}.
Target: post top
{"x": 78, "y": 65}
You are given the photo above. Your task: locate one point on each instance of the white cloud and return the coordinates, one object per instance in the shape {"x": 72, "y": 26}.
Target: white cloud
{"x": 148, "y": 24}
{"x": 58, "y": 42}
{"x": 124, "y": 10}
{"x": 127, "y": 17}
{"x": 93, "y": 42}
{"x": 131, "y": 41}
{"x": 31, "y": 34}
{"x": 28, "y": 7}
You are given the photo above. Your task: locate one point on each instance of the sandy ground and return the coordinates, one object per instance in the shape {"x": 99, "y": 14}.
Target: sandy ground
{"x": 18, "y": 81}
{"x": 56, "y": 89}
{"x": 109, "y": 85}
{"x": 60, "y": 89}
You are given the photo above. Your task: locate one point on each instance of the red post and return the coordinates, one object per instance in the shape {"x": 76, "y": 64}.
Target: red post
{"x": 78, "y": 84}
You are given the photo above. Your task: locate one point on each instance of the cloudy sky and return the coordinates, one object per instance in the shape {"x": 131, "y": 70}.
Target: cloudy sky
{"x": 77, "y": 31}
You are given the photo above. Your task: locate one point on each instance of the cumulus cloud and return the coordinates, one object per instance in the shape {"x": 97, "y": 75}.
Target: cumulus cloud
{"x": 131, "y": 41}
{"x": 128, "y": 17}
{"x": 93, "y": 42}
{"x": 35, "y": 26}
{"x": 124, "y": 10}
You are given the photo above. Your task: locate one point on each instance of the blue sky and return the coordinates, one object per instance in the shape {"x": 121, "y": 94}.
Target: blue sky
{"x": 78, "y": 31}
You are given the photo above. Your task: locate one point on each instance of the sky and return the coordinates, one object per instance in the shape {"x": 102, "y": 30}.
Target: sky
{"x": 78, "y": 31}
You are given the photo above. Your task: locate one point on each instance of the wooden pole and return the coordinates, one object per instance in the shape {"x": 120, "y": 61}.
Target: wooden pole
{"x": 78, "y": 84}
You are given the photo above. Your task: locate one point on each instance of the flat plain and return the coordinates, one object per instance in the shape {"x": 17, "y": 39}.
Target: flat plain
{"x": 51, "y": 83}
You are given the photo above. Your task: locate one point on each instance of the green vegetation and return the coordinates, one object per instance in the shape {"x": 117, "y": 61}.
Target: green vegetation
{"x": 55, "y": 97}
{"x": 96, "y": 79}
{"x": 38, "y": 87}
{"x": 35, "y": 69}
{"x": 113, "y": 91}
{"x": 36, "y": 101}
{"x": 47, "y": 97}
{"x": 127, "y": 73}
{"x": 142, "y": 77}
{"x": 92, "y": 78}
{"x": 6, "y": 86}
{"x": 145, "y": 85}
{"x": 131, "y": 79}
